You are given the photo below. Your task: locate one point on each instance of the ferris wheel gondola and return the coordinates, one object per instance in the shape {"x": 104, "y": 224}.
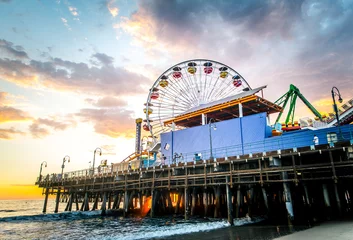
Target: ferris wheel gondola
{"x": 185, "y": 86}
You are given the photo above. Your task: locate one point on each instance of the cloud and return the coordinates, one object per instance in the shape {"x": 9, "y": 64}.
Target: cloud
{"x": 66, "y": 24}
{"x": 110, "y": 122}
{"x": 108, "y": 149}
{"x": 103, "y": 58}
{"x": 41, "y": 127}
{"x": 3, "y": 97}
{"x": 10, "y": 114}
{"x": 106, "y": 102}
{"x": 7, "y": 134}
{"x": 14, "y": 51}
{"x": 63, "y": 75}
{"x": 37, "y": 131}
{"x": 114, "y": 11}
{"x": 269, "y": 42}
{"x": 73, "y": 11}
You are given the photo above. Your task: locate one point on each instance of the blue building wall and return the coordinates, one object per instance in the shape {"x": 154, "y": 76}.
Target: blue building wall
{"x": 238, "y": 131}
{"x": 242, "y": 136}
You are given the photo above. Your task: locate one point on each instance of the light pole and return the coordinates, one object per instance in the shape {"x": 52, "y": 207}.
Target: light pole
{"x": 340, "y": 100}
{"x": 94, "y": 157}
{"x": 40, "y": 171}
{"x": 66, "y": 158}
{"x": 211, "y": 124}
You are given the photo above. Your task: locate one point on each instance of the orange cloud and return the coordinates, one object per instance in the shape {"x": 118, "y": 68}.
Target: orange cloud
{"x": 7, "y": 133}
{"x": 114, "y": 11}
{"x": 106, "y": 102}
{"x": 40, "y": 127}
{"x": 10, "y": 114}
{"x": 111, "y": 122}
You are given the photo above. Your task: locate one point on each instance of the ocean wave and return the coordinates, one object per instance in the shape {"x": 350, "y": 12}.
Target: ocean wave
{"x": 52, "y": 217}
{"x": 170, "y": 230}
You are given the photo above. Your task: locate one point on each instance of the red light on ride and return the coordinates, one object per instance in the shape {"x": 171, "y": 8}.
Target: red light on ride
{"x": 154, "y": 95}
{"x": 208, "y": 68}
{"x": 177, "y": 74}
{"x": 146, "y": 127}
{"x": 237, "y": 83}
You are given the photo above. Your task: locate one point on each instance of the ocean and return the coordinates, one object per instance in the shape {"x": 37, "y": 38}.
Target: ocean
{"x": 22, "y": 219}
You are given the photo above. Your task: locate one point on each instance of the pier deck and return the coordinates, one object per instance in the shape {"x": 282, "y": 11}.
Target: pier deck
{"x": 252, "y": 184}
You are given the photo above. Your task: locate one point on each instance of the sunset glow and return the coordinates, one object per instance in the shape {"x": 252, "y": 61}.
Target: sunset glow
{"x": 74, "y": 75}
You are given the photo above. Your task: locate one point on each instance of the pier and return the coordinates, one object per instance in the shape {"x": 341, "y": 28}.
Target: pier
{"x": 286, "y": 182}
{"x": 297, "y": 173}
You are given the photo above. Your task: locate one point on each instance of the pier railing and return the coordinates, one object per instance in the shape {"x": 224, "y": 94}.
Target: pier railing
{"x": 329, "y": 137}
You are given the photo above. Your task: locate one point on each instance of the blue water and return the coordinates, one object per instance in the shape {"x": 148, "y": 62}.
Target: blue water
{"x": 20, "y": 219}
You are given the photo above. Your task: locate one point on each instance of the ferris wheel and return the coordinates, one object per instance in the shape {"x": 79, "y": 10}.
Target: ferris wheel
{"x": 185, "y": 86}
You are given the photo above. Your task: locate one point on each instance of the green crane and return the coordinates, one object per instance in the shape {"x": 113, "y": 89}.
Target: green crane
{"x": 291, "y": 96}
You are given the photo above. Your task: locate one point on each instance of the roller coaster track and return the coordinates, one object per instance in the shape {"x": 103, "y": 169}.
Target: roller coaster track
{"x": 135, "y": 155}
{"x": 346, "y": 117}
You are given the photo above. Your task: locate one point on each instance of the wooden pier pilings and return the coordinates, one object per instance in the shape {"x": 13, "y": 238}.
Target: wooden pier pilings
{"x": 292, "y": 184}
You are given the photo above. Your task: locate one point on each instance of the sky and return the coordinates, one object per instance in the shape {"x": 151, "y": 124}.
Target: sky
{"x": 74, "y": 74}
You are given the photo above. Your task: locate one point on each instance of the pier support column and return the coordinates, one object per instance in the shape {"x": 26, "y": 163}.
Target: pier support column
{"x": 170, "y": 205}
{"x": 264, "y": 195}
{"x": 306, "y": 192}
{"x": 229, "y": 203}
{"x": 86, "y": 203}
{"x": 69, "y": 203}
{"x": 126, "y": 203}
{"x": 193, "y": 201}
{"x": 338, "y": 200}
{"x": 205, "y": 202}
{"x": 76, "y": 202}
{"x": 115, "y": 201}
{"x": 45, "y": 200}
{"x": 327, "y": 201}
{"x": 186, "y": 203}
{"x": 140, "y": 199}
{"x": 110, "y": 201}
{"x": 57, "y": 201}
{"x": 95, "y": 204}
{"x": 218, "y": 202}
{"x": 289, "y": 203}
{"x": 180, "y": 196}
{"x": 152, "y": 203}
{"x": 250, "y": 198}
{"x": 104, "y": 204}
{"x": 239, "y": 196}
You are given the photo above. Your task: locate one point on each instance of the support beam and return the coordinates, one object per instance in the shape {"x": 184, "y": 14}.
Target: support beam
{"x": 264, "y": 195}
{"x": 170, "y": 205}
{"x": 186, "y": 203}
{"x": 327, "y": 201}
{"x": 86, "y": 201}
{"x": 126, "y": 203}
{"x": 218, "y": 202}
{"x": 205, "y": 202}
{"x": 76, "y": 202}
{"x": 104, "y": 204}
{"x": 193, "y": 201}
{"x": 229, "y": 203}
{"x": 57, "y": 200}
{"x": 239, "y": 197}
{"x": 180, "y": 196}
{"x": 95, "y": 204}
{"x": 45, "y": 200}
